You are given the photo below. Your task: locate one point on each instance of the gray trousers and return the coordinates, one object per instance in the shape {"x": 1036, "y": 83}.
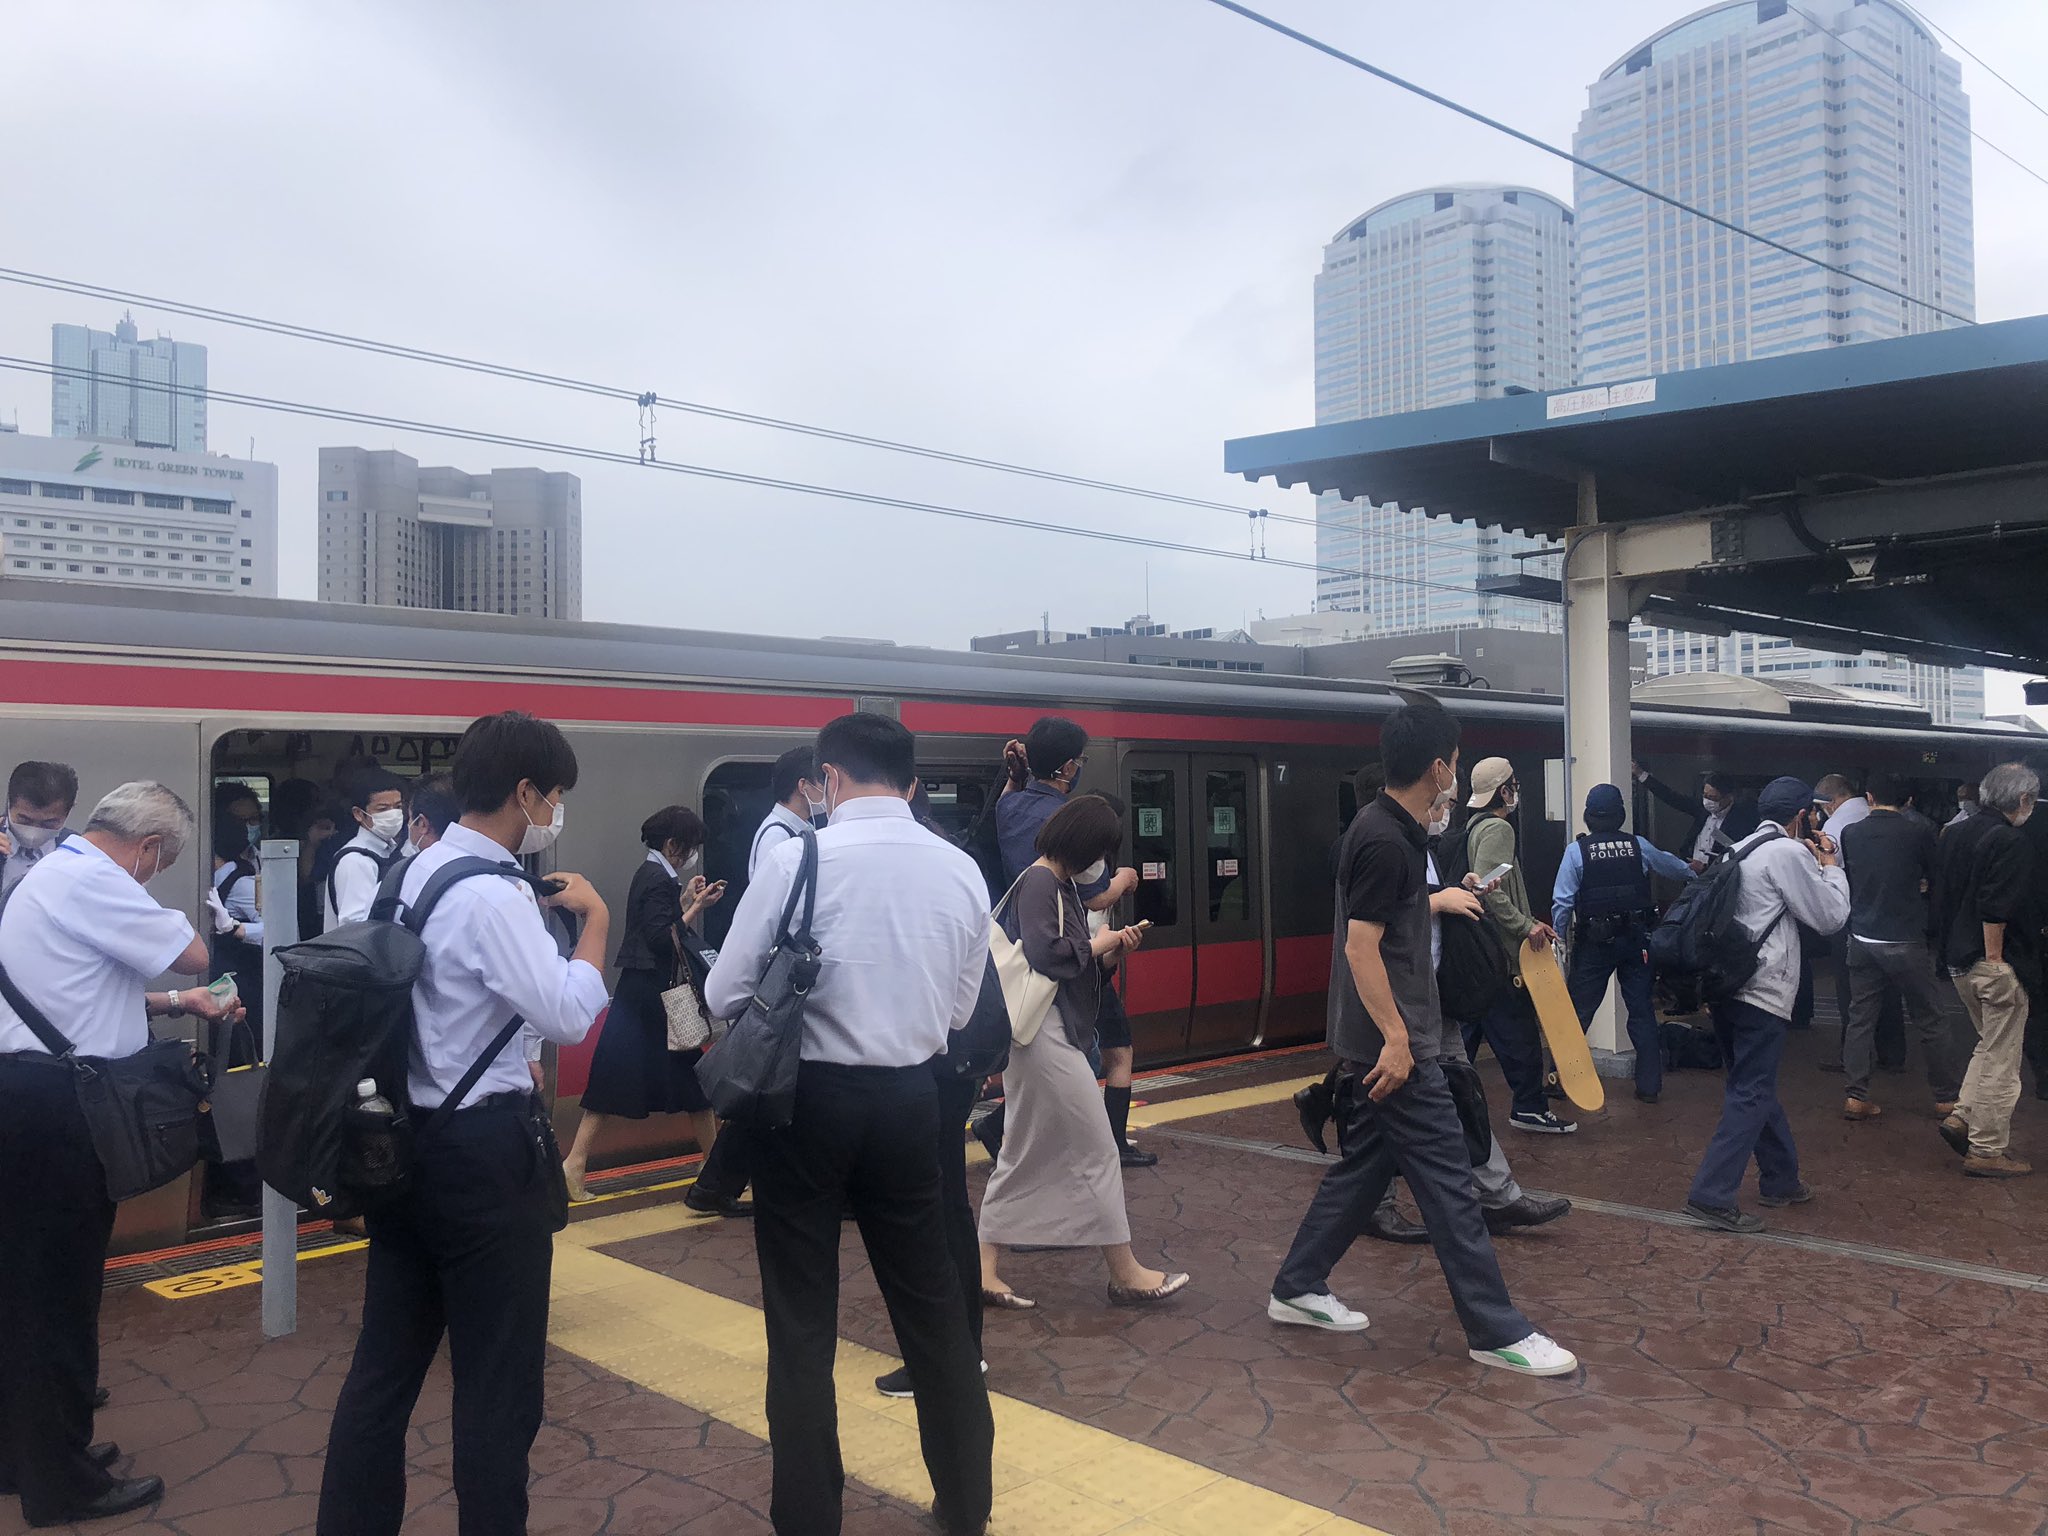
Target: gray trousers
{"x": 1492, "y": 1179}
{"x": 1908, "y": 971}
{"x": 1415, "y": 1130}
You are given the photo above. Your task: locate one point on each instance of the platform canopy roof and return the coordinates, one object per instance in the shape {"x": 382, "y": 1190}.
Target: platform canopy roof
{"x": 1890, "y": 496}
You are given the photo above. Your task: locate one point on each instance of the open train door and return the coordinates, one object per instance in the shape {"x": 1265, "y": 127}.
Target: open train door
{"x": 1198, "y": 985}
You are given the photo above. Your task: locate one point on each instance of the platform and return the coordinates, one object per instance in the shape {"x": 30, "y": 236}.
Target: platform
{"x": 1871, "y": 1364}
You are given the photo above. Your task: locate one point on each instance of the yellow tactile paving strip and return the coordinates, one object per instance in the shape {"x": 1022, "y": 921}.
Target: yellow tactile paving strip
{"x": 1054, "y": 1476}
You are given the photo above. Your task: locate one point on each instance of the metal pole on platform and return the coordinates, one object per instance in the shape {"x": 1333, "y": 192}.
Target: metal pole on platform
{"x": 280, "y": 1214}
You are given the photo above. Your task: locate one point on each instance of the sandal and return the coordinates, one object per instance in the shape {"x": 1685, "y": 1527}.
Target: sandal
{"x": 1007, "y": 1301}
{"x": 1131, "y": 1296}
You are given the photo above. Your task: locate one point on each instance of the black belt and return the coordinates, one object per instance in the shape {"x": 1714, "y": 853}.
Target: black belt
{"x": 507, "y": 1100}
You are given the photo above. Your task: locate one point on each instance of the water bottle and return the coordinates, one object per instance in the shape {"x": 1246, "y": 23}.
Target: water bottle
{"x": 377, "y": 1158}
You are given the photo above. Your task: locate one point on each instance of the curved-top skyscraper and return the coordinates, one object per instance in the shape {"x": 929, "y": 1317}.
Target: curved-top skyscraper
{"x": 1838, "y": 127}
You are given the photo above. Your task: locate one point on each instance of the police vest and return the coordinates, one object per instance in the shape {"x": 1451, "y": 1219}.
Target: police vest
{"x": 1612, "y": 879}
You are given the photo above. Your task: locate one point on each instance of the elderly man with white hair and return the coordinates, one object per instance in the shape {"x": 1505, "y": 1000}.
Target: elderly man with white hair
{"x": 80, "y": 940}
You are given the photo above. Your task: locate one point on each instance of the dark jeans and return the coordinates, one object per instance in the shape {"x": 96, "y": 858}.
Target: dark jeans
{"x": 1753, "y": 1122}
{"x": 55, "y": 1220}
{"x": 1901, "y": 973}
{"x": 1510, "y": 1028}
{"x": 863, "y": 1137}
{"x": 467, "y": 1251}
{"x": 1418, "y": 1125}
{"x": 1624, "y": 958}
{"x": 727, "y": 1168}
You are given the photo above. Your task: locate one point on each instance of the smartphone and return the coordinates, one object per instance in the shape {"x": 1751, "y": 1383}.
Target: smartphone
{"x": 1142, "y": 924}
{"x": 1494, "y": 876}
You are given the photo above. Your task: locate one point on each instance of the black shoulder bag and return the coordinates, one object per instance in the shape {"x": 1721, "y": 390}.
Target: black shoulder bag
{"x": 142, "y": 1111}
{"x": 750, "y": 1075}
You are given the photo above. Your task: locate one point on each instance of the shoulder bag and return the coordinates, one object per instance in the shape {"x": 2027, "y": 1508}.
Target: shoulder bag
{"x": 689, "y": 1027}
{"x": 1027, "y": 994}
{"x": 750, "y": 1076}
{"x": 142, "y": 1111}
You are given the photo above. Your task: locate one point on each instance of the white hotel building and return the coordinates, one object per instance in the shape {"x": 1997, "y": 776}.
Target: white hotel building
{"x": 114, "y": 515}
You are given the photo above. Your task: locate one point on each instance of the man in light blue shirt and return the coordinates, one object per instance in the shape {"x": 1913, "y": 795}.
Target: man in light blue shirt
{"x": 1604, "y": 882}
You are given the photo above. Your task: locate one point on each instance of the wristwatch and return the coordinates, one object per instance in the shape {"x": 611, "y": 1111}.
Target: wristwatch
{"x": 177, "y": 1007}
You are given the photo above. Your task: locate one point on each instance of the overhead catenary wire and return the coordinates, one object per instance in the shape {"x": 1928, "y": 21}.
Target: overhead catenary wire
{"x": 1354, "y": 61}
{"x": 1965, "y": 50}
{"x": 642, "y": 398}
{"x": 1899, "y": 78}
{"x": 730, "y": 476}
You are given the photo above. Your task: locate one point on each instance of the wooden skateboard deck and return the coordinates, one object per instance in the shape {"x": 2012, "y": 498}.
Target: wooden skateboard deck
{"x": 1562, "y": 1031}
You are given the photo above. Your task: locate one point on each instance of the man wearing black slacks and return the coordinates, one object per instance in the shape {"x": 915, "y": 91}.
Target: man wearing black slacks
{"x": 902, "y": 921}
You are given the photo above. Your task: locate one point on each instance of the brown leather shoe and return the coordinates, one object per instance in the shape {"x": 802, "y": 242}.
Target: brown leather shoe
{"x": 1861, "y": 1109}
{"x": 1943, "y": 1108}
{"x": 2003, "y": 1166}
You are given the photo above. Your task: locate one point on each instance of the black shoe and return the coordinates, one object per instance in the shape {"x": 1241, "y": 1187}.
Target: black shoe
{"x": 951, "y": 1528}
{"x": 101, "y": 1453}
{"x": 1528, "y": 1211}
{"x": 1645, "y": 1098}
{"x": 896, "y": 1383}
{"x": 1799, "y": 1196}
{"x": 99, "y": 1398}
{"x": 1316, "y": 1104}
{"x": 1388, "y": 1225}
{"x": 707, "y": 1204}
{"x": 1727, "y": 1218}
{"x": 1134, "y": 1157}
{"x": 128, "y": 1493}
{"x": 1955, "y": 1130}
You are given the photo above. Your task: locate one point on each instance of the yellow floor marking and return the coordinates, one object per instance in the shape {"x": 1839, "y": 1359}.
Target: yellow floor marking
{"x": 225, "y": 1277}
{"x": 1194, "y": 1108}
{"x": 1054, "y": 1476}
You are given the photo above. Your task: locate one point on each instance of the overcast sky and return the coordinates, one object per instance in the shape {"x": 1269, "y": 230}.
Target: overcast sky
{"x": 1074, "y": 233}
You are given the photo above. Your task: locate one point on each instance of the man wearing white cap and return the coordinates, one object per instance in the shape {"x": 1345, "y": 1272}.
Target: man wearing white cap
{"x": 1510, "y": 1024}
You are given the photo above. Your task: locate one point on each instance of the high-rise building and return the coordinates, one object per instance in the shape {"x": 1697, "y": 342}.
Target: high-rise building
{"x": 392, "y": 533}
{"x": 1836, "y": 127}
{"x": 114, "y": 387}
{"x": 118, "y": 516}
{"x": 1440, "y": 296}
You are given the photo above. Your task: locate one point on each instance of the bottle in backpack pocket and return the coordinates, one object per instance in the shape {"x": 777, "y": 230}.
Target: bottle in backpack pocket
{"x": 376, "y": 1143}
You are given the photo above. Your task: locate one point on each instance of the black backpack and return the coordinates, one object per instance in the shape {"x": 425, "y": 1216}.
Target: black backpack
{"x": 344, "y": 1014}
{"x": 1699, "y": 936}
{"x": 1474, "y": 969}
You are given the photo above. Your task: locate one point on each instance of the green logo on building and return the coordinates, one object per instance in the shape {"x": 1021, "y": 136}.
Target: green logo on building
{"x": 91, "y": 458}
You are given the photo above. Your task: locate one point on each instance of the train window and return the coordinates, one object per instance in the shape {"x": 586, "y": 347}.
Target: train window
{"x": 1155, "y": 820}
{"x": 1554, "y": 808}
{"x": 1226, "y": 813}
{"x": 962, "y": 803}
{"x": 737, "y": 799}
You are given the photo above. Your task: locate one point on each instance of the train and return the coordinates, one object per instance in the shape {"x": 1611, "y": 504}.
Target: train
{"x": 1237, "y": 784}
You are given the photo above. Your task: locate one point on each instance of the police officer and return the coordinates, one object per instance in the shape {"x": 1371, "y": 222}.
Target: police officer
{"x": 80, "y": 939}
{"x": 1604, "y": 879}
{"x": 468, "y": 1248}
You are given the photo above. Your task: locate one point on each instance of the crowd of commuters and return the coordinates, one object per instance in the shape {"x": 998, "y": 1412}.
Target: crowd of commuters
{"x": 1936, "y": 928}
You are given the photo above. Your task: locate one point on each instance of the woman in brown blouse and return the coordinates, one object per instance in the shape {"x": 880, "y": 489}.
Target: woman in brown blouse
{"x": 1059, "y": 1182}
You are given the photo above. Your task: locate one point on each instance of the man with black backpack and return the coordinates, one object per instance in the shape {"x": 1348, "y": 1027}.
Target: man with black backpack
{"x": 1786, "y": 875}
{"x": 466, "y": 1247}
{"x": 1603, "y": 882}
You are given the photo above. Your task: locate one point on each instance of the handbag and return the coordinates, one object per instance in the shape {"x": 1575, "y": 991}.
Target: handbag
{"x": 232, "y": 1108}
{"x": 688, "y": 1027}
{"x": 1027, "y": 994}
{"x": 750, "y": 1076}
{"x": 143, "y": 1111}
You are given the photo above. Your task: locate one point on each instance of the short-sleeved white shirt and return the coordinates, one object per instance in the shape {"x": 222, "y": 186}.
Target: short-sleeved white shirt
{"x": 82, "y": 939}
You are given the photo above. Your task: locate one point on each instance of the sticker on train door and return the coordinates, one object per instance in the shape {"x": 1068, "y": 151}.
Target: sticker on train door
{"x": 1151, "y": 821}
{"x": 1223, "y": 821}
{"x": 1226, "y": 869}
{"x": 1152, "y": 872}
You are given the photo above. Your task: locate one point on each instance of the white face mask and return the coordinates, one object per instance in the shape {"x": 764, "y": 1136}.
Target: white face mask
{"x": 817, "y": 807}
{"x": 1440, "y": 824}
{"x": 410, "y": 847}
{"x": 1713, "y": 807}
{"x": 540, "y": 835}
{"x": 156, "y": 866}
{"x": 388, "y": 824}
{"x": 691, "y": 865}
{"x": 1443, "y": 796}
{"x": 29, "y": 839}
{"x": 1093, "y": 872}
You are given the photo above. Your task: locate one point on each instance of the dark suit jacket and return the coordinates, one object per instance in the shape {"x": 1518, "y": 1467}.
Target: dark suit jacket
{"x": 1741, "y": 820}
{"x": 654, "y": 909}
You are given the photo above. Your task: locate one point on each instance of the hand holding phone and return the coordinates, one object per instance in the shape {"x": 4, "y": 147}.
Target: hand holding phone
{"x": 1494, "y": 876}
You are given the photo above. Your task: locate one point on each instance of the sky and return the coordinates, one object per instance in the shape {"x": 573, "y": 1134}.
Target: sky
{"x": 1077, "y": 234}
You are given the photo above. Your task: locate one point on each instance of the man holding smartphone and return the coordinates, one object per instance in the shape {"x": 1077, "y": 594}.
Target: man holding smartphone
{"x": 1790, "y": 875}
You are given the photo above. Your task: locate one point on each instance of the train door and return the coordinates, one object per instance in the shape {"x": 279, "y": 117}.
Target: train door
{"x": 1199, "y": 984}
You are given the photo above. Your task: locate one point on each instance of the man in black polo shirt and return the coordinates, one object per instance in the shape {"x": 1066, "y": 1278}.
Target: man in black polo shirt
{"x": 1386, "y": 1029}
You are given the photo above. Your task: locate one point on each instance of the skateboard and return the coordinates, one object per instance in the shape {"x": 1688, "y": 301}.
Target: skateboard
{"x": 1562, "y": 1032}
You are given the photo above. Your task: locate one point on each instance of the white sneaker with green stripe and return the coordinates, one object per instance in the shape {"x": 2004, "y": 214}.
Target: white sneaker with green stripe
{"x": 1537, "y": 1355}
{"x": 1316, "y": 1312}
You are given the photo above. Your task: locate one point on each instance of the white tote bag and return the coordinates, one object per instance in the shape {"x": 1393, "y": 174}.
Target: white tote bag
{"x": 1026, "y": 994}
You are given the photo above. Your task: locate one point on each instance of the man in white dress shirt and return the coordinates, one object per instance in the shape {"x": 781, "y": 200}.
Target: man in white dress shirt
{"x": 799, "y": 798}
{"x": 80, "y": 941}
{"x": 902, "y": 921}
{"x": 39, "y": 801}
{"x": 377, "y": 800}
{"x": 469, "y": 1247}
